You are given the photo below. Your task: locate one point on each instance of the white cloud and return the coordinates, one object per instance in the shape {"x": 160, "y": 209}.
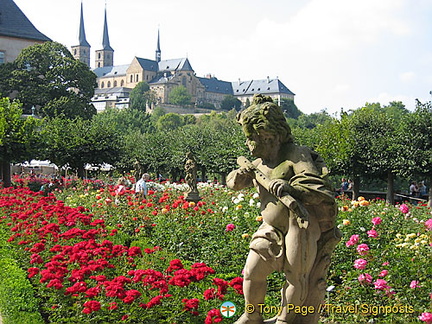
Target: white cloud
{"x": 407, "y": 76}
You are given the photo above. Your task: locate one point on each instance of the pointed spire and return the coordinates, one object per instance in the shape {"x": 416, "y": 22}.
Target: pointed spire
{"x": 105, "y": 39}
{"x": 158, "y": 50}
{"x": 82, "y": 35}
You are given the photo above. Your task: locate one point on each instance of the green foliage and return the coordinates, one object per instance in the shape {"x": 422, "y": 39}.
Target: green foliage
{"x": 75, "y": 143}
{"x": 6, "y": 70}
{"x": 169, "y": 122}
{"x": 18, "y": 304}
{"x": 47, "y": 76}
{"x": 230, "y": 102}
{"x": 416, "y": 141}
{"x": 141, "y": 96}
{"x": 179, "y": 96}
{"x": 289, "y": 108}
{"x": 18, "y": 136}
{"x": 126, "y": 121}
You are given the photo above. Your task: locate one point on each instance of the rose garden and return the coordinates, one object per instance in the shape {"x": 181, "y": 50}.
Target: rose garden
{"x": 74, "y": 256}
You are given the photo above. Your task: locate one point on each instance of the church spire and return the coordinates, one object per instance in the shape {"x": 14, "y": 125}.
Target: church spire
{"x": 82, "y": 35}
{"x": 82, "y": 50}
{"x": 158, "y": 50}
{"x": 105, "y": 38}
{"x": 105, "y": 56}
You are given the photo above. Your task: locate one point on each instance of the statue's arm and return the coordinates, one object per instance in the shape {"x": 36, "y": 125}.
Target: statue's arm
{"x": 239, "y": 179}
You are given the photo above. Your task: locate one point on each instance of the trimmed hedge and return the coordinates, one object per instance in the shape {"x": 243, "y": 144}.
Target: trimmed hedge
{"x": 18, "y": 304}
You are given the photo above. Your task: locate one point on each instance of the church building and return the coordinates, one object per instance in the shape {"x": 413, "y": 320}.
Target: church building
{"x": 115, "y": 82}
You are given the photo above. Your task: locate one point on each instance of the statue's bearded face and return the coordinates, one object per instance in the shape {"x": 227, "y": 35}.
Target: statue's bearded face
{"x": 262, "y": 143}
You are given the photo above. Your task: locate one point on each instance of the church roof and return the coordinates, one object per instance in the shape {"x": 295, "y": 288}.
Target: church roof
{"x": 265, "y": 86}
{"x": 110, "y": 71}
{"x": 148, "y": 65}
{"x": 181, "y": 64}
{"x": 216, "y": 86}
{"x": 14, "y": 23}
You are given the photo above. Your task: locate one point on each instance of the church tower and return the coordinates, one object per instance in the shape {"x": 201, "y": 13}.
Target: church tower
{"x": 105, "y": 56}
{"x": 82, "y": 51}
{"x": 158, "y": 50}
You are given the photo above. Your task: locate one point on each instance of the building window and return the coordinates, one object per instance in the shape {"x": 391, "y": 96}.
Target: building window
{"x": 131, "y": 78}
{"x": 115, "y": 84}
{"x": 2, "y": 57}
{"x": 122, "y": 83}
{"x": 109, "y": 84}
{"x": 102, "y": 85}
{"x": 136, "y": 78}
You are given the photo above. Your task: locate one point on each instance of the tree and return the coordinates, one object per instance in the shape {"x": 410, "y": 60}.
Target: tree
{"x": 230, "y": 102}
{"x": 18, "y": 137}
{"x": 179, "y": 96}
{"x": 141, "y": 96}
{"x": 126, "y": 120}
{"x": 416, "y": 143}
{"x": 6, "y": 70}
{"x": 78, "y": 142}
{"x": 289, "y": 108}
{"x": 47, "y": 76}
{"x": 169, "y": 122}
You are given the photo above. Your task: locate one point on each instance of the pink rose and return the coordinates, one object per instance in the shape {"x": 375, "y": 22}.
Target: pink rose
{"x": 360, "y": 264}
{"x": 372, "y": 233}
{"x": 230, "y": 227}
{"x": 365, "y": 278}
{"x": 415, "y": 284}
{"x": 426, "y": 317}
{"x": 362, "y": 249}
{"x": 404, "y": 208}
{"x": 383, "y": 273}
{"x": 381, "y": 284}
{"x": 354, "y": 239}
{"x": 376, "y": 220}
{"x": 428, "y": 224}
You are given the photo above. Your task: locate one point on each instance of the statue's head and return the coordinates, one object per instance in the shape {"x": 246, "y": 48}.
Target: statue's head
{"x": 264, "y": 114}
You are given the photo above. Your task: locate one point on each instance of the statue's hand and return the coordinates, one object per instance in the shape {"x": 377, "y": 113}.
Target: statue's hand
{"x": 278, "y": 186}
{"x": 246, "y": 171}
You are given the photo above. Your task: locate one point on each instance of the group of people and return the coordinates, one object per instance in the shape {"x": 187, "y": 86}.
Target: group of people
{"x": 140, "y": 188}
{"x": 346, "y": 185}
{"x": 417, "y": 190}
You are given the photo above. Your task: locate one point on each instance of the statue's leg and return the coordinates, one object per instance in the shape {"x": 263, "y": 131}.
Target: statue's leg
{"x": 254, "y": 288}
{"x": 301, "y": 249}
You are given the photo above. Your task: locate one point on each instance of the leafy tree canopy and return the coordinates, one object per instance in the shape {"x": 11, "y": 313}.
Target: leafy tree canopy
{"x": 230, "y": 102}
{"x": 47, "y": 76}
{"x": 179, "y": 96}
{"x": 18, "y": 136}
{"x": 141, "y": 96}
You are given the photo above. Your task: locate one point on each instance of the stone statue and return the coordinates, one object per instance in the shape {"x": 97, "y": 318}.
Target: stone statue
{"x": 298, "y": 232}
{"x": 191, "y": 178}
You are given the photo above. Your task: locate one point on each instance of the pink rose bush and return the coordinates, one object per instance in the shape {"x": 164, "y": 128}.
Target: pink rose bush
{"x": 388, "y": 248}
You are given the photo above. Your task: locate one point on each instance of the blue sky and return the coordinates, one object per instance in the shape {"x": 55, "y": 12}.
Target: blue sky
{"x": 332, "y": 54}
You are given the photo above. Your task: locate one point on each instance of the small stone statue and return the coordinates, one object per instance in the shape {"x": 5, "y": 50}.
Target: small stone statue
{"x": 191, "y": 178}
{"x": 298, "y": 232}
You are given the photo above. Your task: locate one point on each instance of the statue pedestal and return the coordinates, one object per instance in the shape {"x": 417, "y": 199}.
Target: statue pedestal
{"x": 192, "y": 196}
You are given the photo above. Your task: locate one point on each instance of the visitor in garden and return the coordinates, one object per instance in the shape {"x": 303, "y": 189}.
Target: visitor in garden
{"x": 414, "y": 190}
{"x": 422, "y": 189}
{"x": 281, "y": 243}
{"x": 344, "y": 185}
{"x": 120, "y": 189}
{"x": 141, "y": 186}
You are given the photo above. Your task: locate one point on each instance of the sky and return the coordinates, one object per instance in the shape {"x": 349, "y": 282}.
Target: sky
{"x": 333, "y": 54}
